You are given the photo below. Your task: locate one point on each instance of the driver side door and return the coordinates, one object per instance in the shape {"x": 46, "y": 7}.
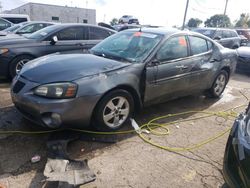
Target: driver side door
{"x": 70, "y": 40}
{"x": 167, "y": 76}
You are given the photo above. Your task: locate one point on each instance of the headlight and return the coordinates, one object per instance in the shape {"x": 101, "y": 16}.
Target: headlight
{"x": 57, "y": 90}
{"x": 3, "y": 50}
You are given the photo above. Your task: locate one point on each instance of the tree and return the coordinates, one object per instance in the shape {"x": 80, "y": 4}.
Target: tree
{"x": 218, "y": 20}
{"x": 114, "y": 21}
{"x": 194, "y": 22}
{"x": 244, "y": 21}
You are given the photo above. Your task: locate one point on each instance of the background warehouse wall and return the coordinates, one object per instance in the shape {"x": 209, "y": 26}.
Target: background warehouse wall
{"x": 55, "y": 13}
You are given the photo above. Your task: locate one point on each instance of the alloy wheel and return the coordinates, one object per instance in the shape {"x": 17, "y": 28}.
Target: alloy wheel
{"x": 220, "y": 84}
{"x": 20, "y": 65}
{"x": 116, "y": 112}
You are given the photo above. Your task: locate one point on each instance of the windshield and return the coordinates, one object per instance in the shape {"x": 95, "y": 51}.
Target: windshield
{"x": 13, "y": 28}
{"x": 127, "y": 46}
{"x": 208, "y": 33}
{"x": 40, "y": 34}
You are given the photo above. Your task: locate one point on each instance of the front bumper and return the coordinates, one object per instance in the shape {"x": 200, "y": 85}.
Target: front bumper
{"x": 236, "y": 164}
{"x": 52, "y": 113}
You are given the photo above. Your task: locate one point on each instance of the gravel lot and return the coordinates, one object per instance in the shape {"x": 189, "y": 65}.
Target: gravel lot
{"x": 130, "y": 162}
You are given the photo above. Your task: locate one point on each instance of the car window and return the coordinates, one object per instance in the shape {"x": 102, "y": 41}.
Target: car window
{"x": 218, "y": 34}
{"x": 4, "y": 24}
{"x": 31, "y": 28}
{"x": 198, "y": 45}
{"x": 226, "y": 34}
{"x": 174, "y": 48}
{"x": 233, "y": 34}
{"x": 96, "y": 33}
{"x": 209, "y": 45}
{"x": 74, "y": 33}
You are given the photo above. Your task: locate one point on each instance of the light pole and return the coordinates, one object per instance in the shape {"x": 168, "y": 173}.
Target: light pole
{"x": 185, "y": 15}
{"x": 225, "y": 10}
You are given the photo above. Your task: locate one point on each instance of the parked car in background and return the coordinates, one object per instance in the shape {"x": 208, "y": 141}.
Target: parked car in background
{"x": 128, "y": 19}
{"x": 102, "y": 24}
{"x": 226, "y": 37}
{"x": 70, "y": 38}
{"x": 122, "y": 27}
{"x": 124, "y": 72}
{"x": 15, "y": 18}
{"x": 25, "y": 28}
{"x": 236, "y": 163}
{"x": 4, "y": 24}
{"x": 12, "y": 29}
{"x": 243, "y": 40}
{"x": 244, "y": 32}
{"x": 243, "y": 64}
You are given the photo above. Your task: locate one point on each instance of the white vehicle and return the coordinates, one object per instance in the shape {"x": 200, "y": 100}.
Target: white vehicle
{"x": 15, "y": 18}
{"x": 128, "y": 19}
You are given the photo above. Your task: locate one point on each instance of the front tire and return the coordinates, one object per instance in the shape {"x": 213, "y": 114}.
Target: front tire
{"x": 18, "y": 63}
{"x": 219, "y": 85}
{"x": 113, "y": 111}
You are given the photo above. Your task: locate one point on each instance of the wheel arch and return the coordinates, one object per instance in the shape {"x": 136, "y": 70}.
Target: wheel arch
{"x": 11, "y": 61}
{"x": 131, "y": 90}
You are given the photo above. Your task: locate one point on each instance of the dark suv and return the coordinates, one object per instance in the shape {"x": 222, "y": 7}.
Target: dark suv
{"x": 226, "y": 37}
{"x": 66, "y": 38}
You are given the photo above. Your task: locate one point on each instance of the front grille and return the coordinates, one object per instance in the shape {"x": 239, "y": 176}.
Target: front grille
{"x": 18, "y": 86}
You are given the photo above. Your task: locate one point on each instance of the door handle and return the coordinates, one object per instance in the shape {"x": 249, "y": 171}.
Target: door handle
{"x": 181, "y": 67}
{"x": 80, "y": 44}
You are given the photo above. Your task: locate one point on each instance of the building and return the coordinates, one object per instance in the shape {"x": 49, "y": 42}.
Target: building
{"x": 55, "y": 13}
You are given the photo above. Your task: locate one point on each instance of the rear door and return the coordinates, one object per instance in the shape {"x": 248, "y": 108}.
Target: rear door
{"x": 202, "y": 63}
{"x": 169, "y": 77}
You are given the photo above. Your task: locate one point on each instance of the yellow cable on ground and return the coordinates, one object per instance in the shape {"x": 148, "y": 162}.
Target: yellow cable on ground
{"x": 152, "y": 125}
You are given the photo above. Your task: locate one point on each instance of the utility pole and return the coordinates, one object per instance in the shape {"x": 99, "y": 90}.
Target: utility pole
{"x": 225, "y": 10}
{"x": 185, "y": 15}
{"x": 1, "y": 7}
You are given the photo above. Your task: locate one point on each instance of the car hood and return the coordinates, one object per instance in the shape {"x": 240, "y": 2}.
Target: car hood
{"x": 68, "y": 67}
{"x": 13, "y": 39}
{"x": 244, "y": 52}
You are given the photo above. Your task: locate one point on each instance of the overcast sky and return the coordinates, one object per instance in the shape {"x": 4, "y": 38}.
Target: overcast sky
{"x": 154, "y": 12}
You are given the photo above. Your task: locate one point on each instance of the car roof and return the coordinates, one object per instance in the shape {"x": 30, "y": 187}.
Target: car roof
{"x": 213, "y": 28}
{"x": 160, "y": 30}
{"x": 64, "y": 25}
{"x": 33, "y": 22}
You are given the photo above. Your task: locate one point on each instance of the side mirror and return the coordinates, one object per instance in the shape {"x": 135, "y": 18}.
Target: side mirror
{"x": 154, "y": 62}
{"x": 217, "y": 38}
{"x": 54, "y": 40}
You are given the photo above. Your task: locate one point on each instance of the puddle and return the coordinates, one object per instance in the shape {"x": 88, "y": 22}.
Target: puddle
{"x": 227, "y": 96}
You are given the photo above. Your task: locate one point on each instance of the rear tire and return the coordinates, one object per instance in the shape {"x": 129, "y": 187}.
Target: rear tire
{"x": 17, "y": 64}
{"x": 219, "y": 85}
{"x": 113, "y": 111}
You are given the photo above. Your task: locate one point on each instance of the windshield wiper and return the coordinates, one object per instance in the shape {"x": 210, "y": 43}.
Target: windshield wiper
{"x": 112, "y": 56}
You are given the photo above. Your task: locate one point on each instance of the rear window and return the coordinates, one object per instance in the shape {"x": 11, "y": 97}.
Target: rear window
{"x": 207, "y": 32}
{"x": 226, "y": 34}
{"x": 198, "y": 45}
{"x": 96, "y": 33}
{"x": 16, "y": 20}
{"x": 75, "y": 33}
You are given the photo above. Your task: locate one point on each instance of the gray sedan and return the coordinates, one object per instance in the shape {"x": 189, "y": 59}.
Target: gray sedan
{"x": 123, "y": 73}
